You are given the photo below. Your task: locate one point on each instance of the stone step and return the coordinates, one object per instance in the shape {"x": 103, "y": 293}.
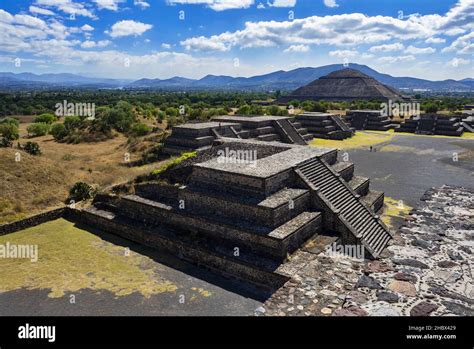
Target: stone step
{"x": 175, "y": 150}
{"x": 374, "y": 199}
{"x": 345, "y": 169}
{"x": 360, "y": 185}
{"x": 271, "y": 211}
{"x": 337, "y": 199}
{"x": 273, "y": 243}
{"x": 269, "y": 137}
{"x": 265, "y": 130}
{"x": 219, "y": 259}
{"x": 190, "y": 142}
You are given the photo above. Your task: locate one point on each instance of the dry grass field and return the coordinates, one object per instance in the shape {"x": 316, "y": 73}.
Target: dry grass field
{"x": 36, "y": 183}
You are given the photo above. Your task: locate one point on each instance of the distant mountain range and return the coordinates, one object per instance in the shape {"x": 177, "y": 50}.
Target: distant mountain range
{"x": 279, "y": 80}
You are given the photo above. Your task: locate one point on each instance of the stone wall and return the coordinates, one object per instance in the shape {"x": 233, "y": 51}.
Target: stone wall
{"x": 32, "y": 221}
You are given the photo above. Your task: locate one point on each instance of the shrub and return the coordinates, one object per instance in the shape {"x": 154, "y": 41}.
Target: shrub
{"x": 140, "y": 129}
{"x": 431, "y": 108}
{"x": 32, "y": 148}
{"x": 59, "y": 131}
{"x": 81, "y": 191}
{"x": 72, "y": 122}
{"x": 9, "y": 131}
{"x": 5, "y": 142}
{"x": 38, "y": 129}
{"x": 10, "y": 121}
{"x": 46, "y": 118}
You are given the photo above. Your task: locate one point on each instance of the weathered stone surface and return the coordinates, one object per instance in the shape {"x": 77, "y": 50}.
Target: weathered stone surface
{"x": 423, "y": 309}
{"x": 388, "y": 297}
{"x": 421, "y": 243}
{"x": 385, "y": 311}
{"x": 405, "y": 277}
{"x": 402, "y": 287}
{"x": 410, "y": 262}
{"x": 377, "y": 267}
{"x": 350, "y": 311}
{"x": 369, "y": 282}
{"x": 458, "y": 309}
{"x": 326, "y": 311}
{"x": 447, "y": 264}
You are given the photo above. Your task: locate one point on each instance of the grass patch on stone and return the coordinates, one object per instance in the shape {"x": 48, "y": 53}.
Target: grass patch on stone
{"x": 394, "y": 211}
{"x": 361, "y": 139}
{"x": 71, "y": 259}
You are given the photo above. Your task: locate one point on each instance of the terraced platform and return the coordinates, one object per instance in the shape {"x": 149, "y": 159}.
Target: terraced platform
{"x": 243, "y": 220}
{"x": 199, "y": 136}
{"x": 324, "y": 125}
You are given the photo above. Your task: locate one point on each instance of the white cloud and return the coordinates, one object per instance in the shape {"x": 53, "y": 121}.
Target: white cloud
{"x": 128, "y": 28}
{"x": 95, "y": 44}
{"x": 343, "y": 53}
{"x": 419, "y": 50}
{"x": 282, "y": 3}
{"x": 340, "y": 30}
{"x": 462, "y": 45}
{"x": 454, "y": 31}
{"x": 41, "y": 11}
{"x": 87, "y": 28}
{"x": 112, "y": 5}
{"x": 331, "y": 3}
{"x": 142, "y": 4}
{"x": 260, "y": 6}
{"x": 395, "y": 59}
{"x": 67, "y": 6}
{"x": 297, "y": 48}
{"x": 455, "y": 62}
{"x": 216, "y": 5}
{"x": 435, "y": 40}
{"x": 165, "y": 46}
{"x": 387, "y": 47}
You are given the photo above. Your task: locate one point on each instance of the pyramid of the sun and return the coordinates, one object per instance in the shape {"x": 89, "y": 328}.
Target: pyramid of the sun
{"x": 344, "y": 85}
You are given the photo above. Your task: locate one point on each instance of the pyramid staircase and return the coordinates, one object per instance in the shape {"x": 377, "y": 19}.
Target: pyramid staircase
{"x": 324, "y": 125}
{"x": 351, "y": 217}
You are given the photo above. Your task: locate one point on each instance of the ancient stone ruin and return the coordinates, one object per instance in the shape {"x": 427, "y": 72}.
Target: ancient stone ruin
{"x": 325, "y": 125}
{"x": 242, "y": 207}
{"x": 199, "y": 136}
{"x": 369, "y": 120}
{"x": 433, "y": 124}
{"x": 344, "y": 85}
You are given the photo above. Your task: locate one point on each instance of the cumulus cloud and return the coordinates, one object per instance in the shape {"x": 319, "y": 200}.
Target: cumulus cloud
{"x": 67, "y": 6}
{"x": 87, "y": 28}
{"x": 95, "y": 44}
{"x": 112, "y": 5}
{"x": 395, "y": 59}
{"x": 419, "y": 50}
{"x": 41, "y": 11}
{"x": 128, "y": 28}
{"x": 142, "y": 4}
{"x": 387, "y": 47}
{"x": 165, "y": 46}
{"x": 462, "y": 45}
{"x": 344, "y": 29}
{"x": 216, "y": 5}
{"x": 282, "y": 3}
{"x": 343, "y": 53}
{"x": 435, "y": 40}
{"x": 455, "y": 62}
{"x": 331, "y": 3}
{"x": 297, "y": 48}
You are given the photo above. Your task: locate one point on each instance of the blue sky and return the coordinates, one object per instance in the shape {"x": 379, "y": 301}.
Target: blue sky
{"x": 192, "y": 38}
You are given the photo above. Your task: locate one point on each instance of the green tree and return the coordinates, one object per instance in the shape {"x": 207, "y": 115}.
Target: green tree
{"x": 32, "y": 148}
{"x": 9, "y": 131}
